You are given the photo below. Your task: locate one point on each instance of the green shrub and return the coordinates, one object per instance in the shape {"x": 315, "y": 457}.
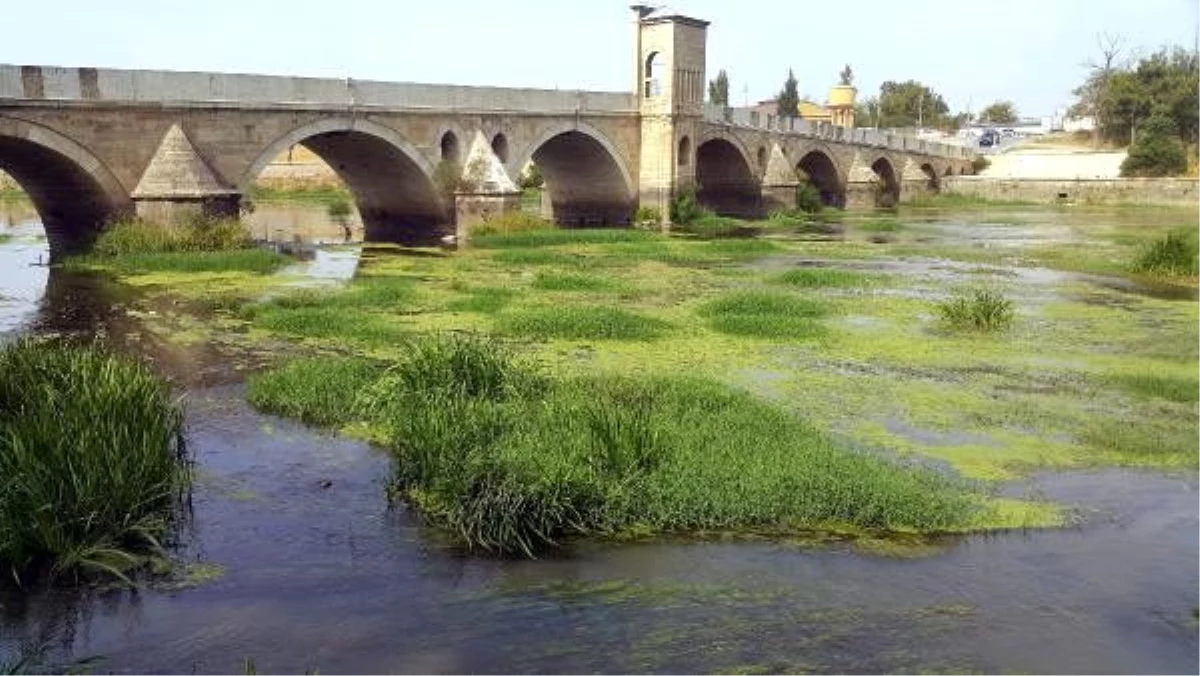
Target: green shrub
{"x": 339, "y": 210}
{"x": 808, "y": 198}
{"x": 647, "y": 217}
{"x": 979, "y": 163}
{"x": 1156, "y": 150}
{"x": 712, "y": 226}
{"x": 506, "y": 460}
{"x": 686, "y": 207}
{"x": 530, "y": 178}
{"x": 92, "y": 461}
{"x": 1175, "y": 254}
{"x": 976, "y": 310}
{"x": 583, "y": 322}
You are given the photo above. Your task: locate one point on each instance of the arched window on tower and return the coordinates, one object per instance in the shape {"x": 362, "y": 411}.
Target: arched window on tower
{"x": 652, "y": 86}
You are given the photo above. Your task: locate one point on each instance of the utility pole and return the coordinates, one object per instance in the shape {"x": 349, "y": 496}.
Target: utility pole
{"x": 920, "y": 111}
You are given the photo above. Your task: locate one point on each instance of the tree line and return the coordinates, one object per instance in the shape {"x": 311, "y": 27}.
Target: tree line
{"x": 1151, "y": 103}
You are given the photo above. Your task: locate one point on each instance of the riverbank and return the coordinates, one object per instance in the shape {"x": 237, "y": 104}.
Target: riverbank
{"x": 1173, "y": 191}
{"x": 1095, "y": 371}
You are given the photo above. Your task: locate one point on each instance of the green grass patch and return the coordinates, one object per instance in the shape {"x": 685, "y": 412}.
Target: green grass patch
{"x": 1182, "y": 389}
{"x": 330, "y": 321}
{"x": 560, "y": 236}
{"x": 880, "y": 225}
{"x": 1176, "y": 254}
{"x": 134, "y": 237}
{"x": 522, "y": 257}
{"x": 507, "y": 460}
{"x": 981, "y": 310}
{"x": 816, "y": 278}
{"x": 567, "y": 281}
{"x": 305, "y": 194}
{"x": 765, "y": 314}
{"x": 583, "y": 323}
{"x": 487, "y": 300}
{"x": 92, "y": 462}
{"x": 256, "y": 261}
{"x": 318, "y": 391}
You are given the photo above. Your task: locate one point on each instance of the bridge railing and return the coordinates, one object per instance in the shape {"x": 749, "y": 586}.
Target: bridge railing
{"x": 187, "y": 88}
{"x": 745, "y": 118}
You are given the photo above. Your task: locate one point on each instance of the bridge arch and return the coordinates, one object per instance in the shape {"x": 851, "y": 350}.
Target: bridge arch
{"x": 727, "y": 181}
{"x": 74, "y": 193}
{"x": 822, "y": 172}
{"x": 887, "y": 192}
{"x": 586, "y": 178}
{"x": 933, "y": 182}
{"x": 392, "y": 182}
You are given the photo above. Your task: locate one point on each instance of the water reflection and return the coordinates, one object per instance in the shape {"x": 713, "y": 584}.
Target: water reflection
{"x": 303, "y": 222}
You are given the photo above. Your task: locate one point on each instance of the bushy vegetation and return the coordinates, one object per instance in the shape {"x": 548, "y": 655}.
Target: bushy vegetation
{"x": 976, "y": 309}
{"x": 1175, "y": 254}
{"x": 765, "y": 314}
{"x": 1123, "y": 97}
{"x": 1182, "y": 389}
{"x": 92, "y": 462}
{"x": 808, "y": 198}
{"x": 507, "y": 460}
{"x": 141, "y": 237}
{"x": 647, "y": 217}
{"x": 203, "y": 245}
{"x": 979, "y": 163}
{"x": 686, "y": 208}
{"x": 582, "y": 322}
{"x": 1156, "y": 150}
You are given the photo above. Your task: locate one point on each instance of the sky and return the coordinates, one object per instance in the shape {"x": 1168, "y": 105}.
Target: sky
{"x": 1031, "y": 52}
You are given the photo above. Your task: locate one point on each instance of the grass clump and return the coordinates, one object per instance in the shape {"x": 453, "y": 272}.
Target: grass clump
{"x": 317, "y": 391}
{"x": 1182, "y": 389}
{"x": 141, "y": 237}
{"x": 330, "y": 321}
{"x": 560, "y": 236}
{"x": 92, "y": 461}
{"x": 511, "y": 221}
{"x": 686, "y": 209}
{"x": 204, "y": 245}
{"x": 1177, "y": 254}
{"x": 814, "y": 278}
{"x": 509, "y": 461}
{"x": 488, "y": 300}
{"x": 982, "y": 310}
{"x": 880, "y": 225}
{"x": 565, "y": 281}
{"x": 765, "y": 314}
{"x": 583, "y": 323}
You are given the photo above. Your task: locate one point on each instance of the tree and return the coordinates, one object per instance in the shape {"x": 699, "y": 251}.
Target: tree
{"x": 1156, "y": 150}
{"x": 847, "y": 76}
{"x": 1002, "y": 112}
{"x": 1091, "y": 93}
{"x": 788, "y": 101}
{"x": 909, "y": 104}
{"x": 718, "y": 89}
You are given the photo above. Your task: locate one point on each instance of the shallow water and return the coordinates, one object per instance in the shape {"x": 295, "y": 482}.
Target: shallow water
{"x": 317, "y": 571}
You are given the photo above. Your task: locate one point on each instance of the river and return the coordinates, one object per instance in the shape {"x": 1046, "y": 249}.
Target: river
{"x": 306, "y": 567}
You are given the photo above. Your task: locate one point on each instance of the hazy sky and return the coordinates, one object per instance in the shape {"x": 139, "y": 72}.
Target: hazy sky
{"x": 1029, "y": 51}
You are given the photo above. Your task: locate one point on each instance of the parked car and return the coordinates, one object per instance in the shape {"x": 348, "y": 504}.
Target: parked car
{"x": 990, "y": 137}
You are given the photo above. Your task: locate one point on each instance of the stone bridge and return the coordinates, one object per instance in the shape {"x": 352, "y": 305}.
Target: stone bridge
{"x": 91, "y": 144}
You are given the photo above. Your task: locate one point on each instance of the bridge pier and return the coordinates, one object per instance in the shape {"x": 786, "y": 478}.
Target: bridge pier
{"x": 485, "y": 191}
{"x": 178, "y": 187}
{"x": 779, "y": 182}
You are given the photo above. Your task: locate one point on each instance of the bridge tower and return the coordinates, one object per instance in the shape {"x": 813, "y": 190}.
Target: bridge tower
{"x": 670, "y": 86}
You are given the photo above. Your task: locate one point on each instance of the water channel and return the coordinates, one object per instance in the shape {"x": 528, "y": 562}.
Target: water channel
{"x": 301, "y": 565}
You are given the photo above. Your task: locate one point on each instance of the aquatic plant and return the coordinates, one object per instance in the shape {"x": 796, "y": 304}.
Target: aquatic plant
{"x": 137, "y": 236}
{"x": 560, "y": 236}
{"x": 583, "y": 322}
{"x": 92, "y": 461}
{"x": 976, "y": 309}
{"x": 814, "y": 277}
{"x": 508, "y": 460}
{"x": 1175, "y": 254}
{"x": 765, "y": 314}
